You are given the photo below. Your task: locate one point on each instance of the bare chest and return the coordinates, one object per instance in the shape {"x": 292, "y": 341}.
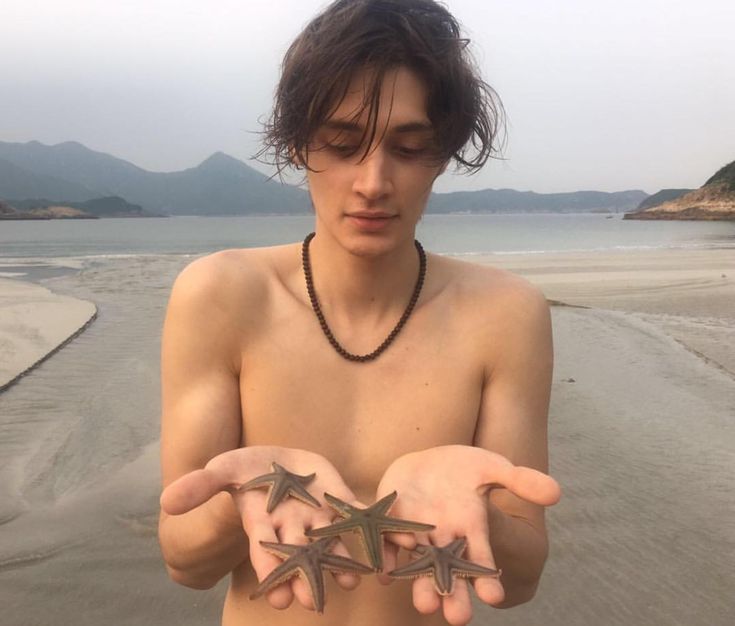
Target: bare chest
{"x": 423, "y": 391}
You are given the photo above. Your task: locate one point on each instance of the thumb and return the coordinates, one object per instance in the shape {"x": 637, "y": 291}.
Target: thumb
{"x": 190, "y": 491}
{"x": 524, "y": 482}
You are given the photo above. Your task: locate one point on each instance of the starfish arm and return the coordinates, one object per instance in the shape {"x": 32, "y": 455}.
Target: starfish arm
{"x": 283, "y": 550}
{"x": 394, "y": 524}
{"x": 333, "y": 530}
{"x": 343, "y": 565}
{"x": 286, "y": 485}
{"x": 299, "y": 492}
{"x": 265, "y": 480}
{"x": 283, "y": 572}
{"x": 423, "y": 566}
{"x": 312, "y": 572}
{"x": 468, "y": 569}
{"x": 372, "y": 541}
{"x": 382, "y": 506}
{"x": 443, "y": 578}
{"x": 342, "y": 508}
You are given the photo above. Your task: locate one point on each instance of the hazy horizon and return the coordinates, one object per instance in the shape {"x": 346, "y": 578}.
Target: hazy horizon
{"x": 603, "y": 96}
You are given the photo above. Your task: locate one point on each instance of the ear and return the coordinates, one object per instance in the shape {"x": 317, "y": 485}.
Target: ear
{"x": 296, "y": 159}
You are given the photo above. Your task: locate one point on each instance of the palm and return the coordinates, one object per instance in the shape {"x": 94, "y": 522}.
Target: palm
{"x": 289, "y": 518}
{"x": 447, "y": 486}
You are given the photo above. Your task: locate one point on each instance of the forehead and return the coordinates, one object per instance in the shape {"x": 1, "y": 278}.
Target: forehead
{"x": 403, "y": 99}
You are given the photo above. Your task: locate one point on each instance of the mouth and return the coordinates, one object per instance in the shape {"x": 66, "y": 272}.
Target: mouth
{"x": 371, "y": 215}
{"x": 371, "y": 221}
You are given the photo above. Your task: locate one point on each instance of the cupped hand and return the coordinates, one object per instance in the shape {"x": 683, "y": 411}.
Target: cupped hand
{"x": 448, "y": 487}
{"x": 289, "y": 520}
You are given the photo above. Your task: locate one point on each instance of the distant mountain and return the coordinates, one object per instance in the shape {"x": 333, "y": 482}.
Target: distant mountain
{"x": 222, "y": 185}
{"x": 18, "y": 182}
{"x": 511, "y": 201}
{"x": 715, "y": 200}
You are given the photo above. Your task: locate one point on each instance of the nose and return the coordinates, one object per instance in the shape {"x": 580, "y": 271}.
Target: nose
{"x": 373, "y": 179}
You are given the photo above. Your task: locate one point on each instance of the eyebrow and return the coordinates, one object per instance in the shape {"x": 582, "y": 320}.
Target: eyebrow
{"x": 353, "y": 127}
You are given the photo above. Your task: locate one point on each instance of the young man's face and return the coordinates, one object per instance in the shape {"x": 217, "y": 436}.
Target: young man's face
{"x": 371, "y": 205}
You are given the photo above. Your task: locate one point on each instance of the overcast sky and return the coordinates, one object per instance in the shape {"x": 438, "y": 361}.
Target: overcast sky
{"x": 600, "y": 94}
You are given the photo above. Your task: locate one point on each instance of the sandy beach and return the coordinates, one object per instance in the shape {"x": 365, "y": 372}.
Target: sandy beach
{"x": 642, "y": 437}
{"x": 34, "y": 323}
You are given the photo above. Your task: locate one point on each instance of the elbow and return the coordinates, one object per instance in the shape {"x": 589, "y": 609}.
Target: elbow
{"x": 190, "y": 579}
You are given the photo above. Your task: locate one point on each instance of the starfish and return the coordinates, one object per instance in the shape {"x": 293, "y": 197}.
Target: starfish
{"x": 308, "y": 561}
{"x": 281, "y": 484}
{"x": 369, "y": 523}
{"x": 443, "y": 564}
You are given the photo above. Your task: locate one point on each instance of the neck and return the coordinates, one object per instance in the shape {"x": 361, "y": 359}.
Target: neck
{"x": 358, "y": 285}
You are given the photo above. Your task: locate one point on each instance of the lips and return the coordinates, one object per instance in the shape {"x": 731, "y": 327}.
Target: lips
{"x": 371, "y": 215}
{"x": 370, "y": 221}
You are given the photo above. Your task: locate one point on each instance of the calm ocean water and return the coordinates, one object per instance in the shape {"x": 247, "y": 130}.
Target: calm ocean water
{"x": 452, "y": 234}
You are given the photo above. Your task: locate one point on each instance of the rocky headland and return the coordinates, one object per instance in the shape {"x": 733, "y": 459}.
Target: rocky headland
{"x": 715, "y": 200}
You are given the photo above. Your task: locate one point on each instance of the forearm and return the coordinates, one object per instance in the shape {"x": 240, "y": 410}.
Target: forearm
{"x": 520, "y": 551}
{"x": 205, "y": 544}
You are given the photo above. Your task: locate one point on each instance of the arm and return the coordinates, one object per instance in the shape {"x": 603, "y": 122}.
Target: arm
{"x": 200, "y": 419}
{"x": 513, "y": 423}
{"x": 204, "y": 524}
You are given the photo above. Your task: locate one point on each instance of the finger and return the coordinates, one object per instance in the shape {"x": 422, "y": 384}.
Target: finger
{"x": 458, "y": 607}
{"x": 425, "y": 598}
{"x": 407, "y": 541}
{"x": 345, "y": 580}
{"x": 190, "y": 491}
{"x": 390, "y": 560}
{"x": 264, "y": 562}
{"x": 290, "y": 533}
{"x": 489, "y": 589}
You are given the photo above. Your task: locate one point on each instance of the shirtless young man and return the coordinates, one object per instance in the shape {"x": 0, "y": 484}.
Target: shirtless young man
{"x": 376, "y": 97}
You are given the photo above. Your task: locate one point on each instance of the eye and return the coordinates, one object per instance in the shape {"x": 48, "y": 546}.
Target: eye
{"x": 409, "y": 151}
{"x": 343, "y": 149}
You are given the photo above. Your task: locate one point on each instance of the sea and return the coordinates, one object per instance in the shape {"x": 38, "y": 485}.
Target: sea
{"x": 448, "y": 234}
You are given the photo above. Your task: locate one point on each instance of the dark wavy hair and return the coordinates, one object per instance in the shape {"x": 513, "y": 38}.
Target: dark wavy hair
{"x": 380, "y": 35}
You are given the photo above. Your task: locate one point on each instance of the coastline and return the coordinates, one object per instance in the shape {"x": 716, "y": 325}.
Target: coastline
{"x": 35, "y": 323}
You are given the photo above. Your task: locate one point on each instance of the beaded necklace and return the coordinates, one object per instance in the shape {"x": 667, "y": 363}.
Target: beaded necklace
{"x": 361, "y": 358}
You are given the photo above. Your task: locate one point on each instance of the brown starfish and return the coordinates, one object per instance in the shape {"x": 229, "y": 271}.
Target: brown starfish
{"x": 370, "y": 523}
{"x": 308, "y": 561}
{"x": 281, "y": 484}
{"x": 443, "y": 564}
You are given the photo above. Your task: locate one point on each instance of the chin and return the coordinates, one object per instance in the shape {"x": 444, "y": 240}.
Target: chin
{"x": 371, "y": 245}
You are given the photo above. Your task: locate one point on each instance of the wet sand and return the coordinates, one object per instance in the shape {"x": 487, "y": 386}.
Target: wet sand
{"x": 642, "y": 435}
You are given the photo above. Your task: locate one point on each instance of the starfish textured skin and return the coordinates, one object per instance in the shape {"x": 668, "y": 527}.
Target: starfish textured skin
{"x": 370, "y": 523}
{"x": 308, "y": 561}
{"x": 443, "y": 564}
{"x": 281, "y": 483}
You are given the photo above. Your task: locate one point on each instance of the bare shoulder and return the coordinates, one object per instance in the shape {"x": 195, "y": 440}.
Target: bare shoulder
{"x": 213, "y": 277}
{"x": 224, "y": 297}
{"x": 231, "y": 280}
{"x": 494, "y": 293}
